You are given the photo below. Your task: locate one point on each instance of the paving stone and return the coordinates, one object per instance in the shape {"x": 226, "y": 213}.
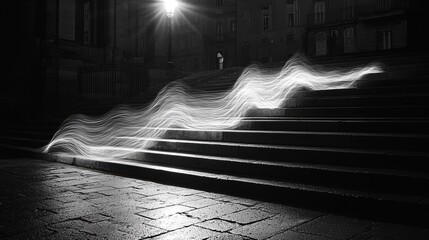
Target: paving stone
{"x": 291, "y": 235}
{"x": 173, "y": 222}
{"x": 47, "y": 200}
{"x": 203, "y": 202}
{"x": 390, "y": 231}
{"x": 271, "y": 226}
{"x": 72, "y": 212}
{"x": 227, "y": 236}
{"x": 187, "y": 192}
{"x": 212, "y": 195}
{"x": 244, "y": 201}
{"x": 135, "y": 196}
{"x": 280, "y": 208}
{"x": 114, "y": 192}
{"x": 76, "y": 224}
{"x": 152, "y": 190}
{"x": 118, "y": 203}
{"x": 96, "y": 217}
{"x": 155, "y": 204}
{"x": 93, "y": 195}
{"x": 139, "y": 230}
{"x": 336, "y": 227}
{"x": 120, "y": 235}
{"x": 68, "y": 197}
{"x": 191, "y": 232}
{"x": 40, "y": 233}
{"x": 174, "y": 199}
{"x": 13, "y": 223}
{"x": 164, "y": 212}
{"x": 215, "y": 211}
{"x": 218, "y": 225}
{"x": 123, "y": 214}
{"x": 247, "y": 216}
{"x": 70, "y": 234}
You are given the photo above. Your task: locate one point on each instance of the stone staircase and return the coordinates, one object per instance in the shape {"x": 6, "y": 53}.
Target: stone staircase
{"x": 361, "y": 151}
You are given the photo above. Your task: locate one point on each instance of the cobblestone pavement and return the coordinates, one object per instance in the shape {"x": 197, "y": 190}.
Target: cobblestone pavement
{"x": 46, "y": 200}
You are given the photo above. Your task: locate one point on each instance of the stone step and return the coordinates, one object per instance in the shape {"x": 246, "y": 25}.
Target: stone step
{"x": 410, "y": 142}
{"x": 388, "y": 78}
{"x": 365, "y": 179}
{"x": 359, "y": 100}
{"x": 391, "y": 206}
{"x": 370, "y": 125}
{"x": 415, "y": 106}
{"x": 384, "y": 141}
{"x": 386, "y": 90}
{"x": 365, "y": 111}
{"x": 385, "y": 82}
{"x": 419, "y": 126}
{"x": 350, "y": 157}
{"x": 316, "y": 150}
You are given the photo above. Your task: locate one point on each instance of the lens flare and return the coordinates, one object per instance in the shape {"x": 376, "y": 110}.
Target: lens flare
{"x": 125, "y": 131}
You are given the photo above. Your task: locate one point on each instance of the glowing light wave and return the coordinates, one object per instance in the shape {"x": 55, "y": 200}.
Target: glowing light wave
{"x": 125, "y": 131}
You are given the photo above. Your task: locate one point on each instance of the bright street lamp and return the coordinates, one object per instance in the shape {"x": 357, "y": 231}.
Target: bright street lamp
{"x": 170, "y": 6}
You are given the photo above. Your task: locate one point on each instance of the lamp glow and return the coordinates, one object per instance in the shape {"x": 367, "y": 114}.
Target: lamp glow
{"x": 170, "y": 6}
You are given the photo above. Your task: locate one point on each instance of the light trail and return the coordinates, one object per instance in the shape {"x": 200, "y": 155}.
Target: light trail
{"x": 126, "y": 131}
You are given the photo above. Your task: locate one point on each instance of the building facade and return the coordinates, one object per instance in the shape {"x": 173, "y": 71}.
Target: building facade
{"x": 348, "y": 26}
{"x": 56, "y": 40}
{"x": 270, "y": 30}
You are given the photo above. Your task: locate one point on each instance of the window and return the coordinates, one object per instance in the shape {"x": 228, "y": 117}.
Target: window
{"x": 320, "y": 44}
{"x": 219, "y": 31}
{"x": 291, "y": 19}
{"x": 86, "y": 23}
{"x": 67, "y": 20}
{"x": 186, "y": 38}
{"x": 266, "y": 17}
{"x": 348, "y": 11}
{"x": 333, "y": 40}
{"x": 182, "y": 23}
{"x": 197, "y": 21}
{"x": 384, "y": 39}
{"x": 196, "y": 63}
{"x": 292, "y": 13}
{"x": 266, "y": 22}
{"x": 319, "y": 12}
{"x": 349, "y": 40}
{"x": 384, "y": 4}
{"x": 232, "y": 25}
{"x": 194, "y": 40}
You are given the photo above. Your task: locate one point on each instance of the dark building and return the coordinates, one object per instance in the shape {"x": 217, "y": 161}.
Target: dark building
{"x": 270, "y": 30}
{"x": 324, "y": 27}
{"x": 348, "y": 26}
{"x": 68, "y": 51}
{"x": 221, "y": 33}
{"x": 23, "y": 54}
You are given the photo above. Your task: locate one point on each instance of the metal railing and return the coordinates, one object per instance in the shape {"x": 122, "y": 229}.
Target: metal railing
{"x": 111, "y": 80}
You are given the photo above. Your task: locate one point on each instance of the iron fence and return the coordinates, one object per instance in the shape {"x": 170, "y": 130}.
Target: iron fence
{"x": 111, "y": 80}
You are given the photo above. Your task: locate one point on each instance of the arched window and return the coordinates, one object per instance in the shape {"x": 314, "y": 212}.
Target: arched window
{"x": 320, "y": 44}
{"x": 349, "y": 40}
{"x": 319, "y": 12}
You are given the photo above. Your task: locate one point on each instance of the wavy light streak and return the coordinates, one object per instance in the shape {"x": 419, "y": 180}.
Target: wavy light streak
{"x": 125, "y": 131}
